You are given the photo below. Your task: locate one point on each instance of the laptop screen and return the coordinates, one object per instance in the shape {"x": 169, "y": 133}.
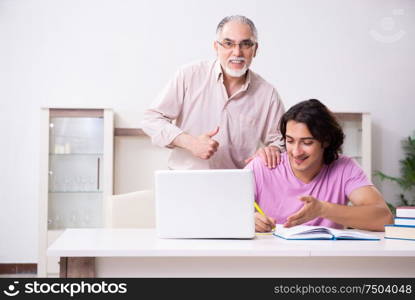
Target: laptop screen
{"x": 205, "y": 203}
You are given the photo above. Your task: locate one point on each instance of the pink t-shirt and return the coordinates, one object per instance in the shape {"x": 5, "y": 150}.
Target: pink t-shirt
{"x": 277, "y": 190}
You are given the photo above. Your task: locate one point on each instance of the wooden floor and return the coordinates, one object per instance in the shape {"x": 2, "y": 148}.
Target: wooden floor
{"x": 18, "y": 270}
{"x": 31, "y": 275}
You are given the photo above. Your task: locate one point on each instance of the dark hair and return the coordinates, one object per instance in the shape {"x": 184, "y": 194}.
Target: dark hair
{"x": 320, "y": 122}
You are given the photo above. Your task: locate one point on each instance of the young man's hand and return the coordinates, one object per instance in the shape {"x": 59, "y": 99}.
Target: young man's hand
{"x": 263, "y": 223}
{"x": 312, "y": 209}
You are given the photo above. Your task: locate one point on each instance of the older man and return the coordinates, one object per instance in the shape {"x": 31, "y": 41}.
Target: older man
{"x": 222, "y": 110}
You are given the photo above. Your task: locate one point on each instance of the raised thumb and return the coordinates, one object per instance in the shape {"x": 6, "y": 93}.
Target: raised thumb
{"x": 213, "y": 132}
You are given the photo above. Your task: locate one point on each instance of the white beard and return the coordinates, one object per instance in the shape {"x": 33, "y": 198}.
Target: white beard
{"x": 236, "y": 73}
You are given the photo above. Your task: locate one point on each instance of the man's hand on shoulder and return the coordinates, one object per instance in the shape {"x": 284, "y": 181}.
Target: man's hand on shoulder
{"x": 270, "y": 155}
{"x": 202, "y": 146}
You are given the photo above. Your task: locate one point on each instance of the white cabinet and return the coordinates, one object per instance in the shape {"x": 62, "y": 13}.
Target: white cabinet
{"x": 358, "y": 142}
{"x": 76, "y": 167}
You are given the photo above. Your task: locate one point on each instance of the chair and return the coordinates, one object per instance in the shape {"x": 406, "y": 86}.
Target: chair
{"x": 131, "y": 210}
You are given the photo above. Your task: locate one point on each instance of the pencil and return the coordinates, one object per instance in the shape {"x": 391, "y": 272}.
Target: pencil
{"x": 258, "y": 209}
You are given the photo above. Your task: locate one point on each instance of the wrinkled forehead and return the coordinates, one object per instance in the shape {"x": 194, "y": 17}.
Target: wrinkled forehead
{"x": 236, "y": 31}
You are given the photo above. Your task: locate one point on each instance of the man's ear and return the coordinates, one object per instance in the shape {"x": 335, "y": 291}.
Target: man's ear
{"x": 326, "y": 144}
{"x": 256, "y": 49}
{"x": 215, "y": 46}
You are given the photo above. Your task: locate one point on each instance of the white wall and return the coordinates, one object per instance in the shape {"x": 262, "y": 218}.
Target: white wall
{"x": 119, "y": 54}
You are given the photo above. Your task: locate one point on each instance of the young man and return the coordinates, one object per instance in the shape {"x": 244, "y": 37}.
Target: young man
{"x": 222, "y": 110}
{"x": 313, "y": 183}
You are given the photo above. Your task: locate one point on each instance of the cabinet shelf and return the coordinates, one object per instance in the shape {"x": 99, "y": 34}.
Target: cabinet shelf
{"x": 357, "y": 142}
{"x": 75, "y": 192}
{"x": 75, "y": 154}
{"x": 354, "y": 156}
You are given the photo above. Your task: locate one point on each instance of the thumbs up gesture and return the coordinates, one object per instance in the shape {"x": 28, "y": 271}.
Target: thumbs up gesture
{"x": 204, "y": 146}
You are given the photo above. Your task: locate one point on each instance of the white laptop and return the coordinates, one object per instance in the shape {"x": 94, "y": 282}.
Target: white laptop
{"x": 205, "y": 204}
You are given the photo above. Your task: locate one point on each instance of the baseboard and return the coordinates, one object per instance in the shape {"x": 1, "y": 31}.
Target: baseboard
{"x": 18, "y": 268}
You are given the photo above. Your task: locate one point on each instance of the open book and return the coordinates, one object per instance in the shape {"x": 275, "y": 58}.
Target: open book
{"x": 304, "y": 232}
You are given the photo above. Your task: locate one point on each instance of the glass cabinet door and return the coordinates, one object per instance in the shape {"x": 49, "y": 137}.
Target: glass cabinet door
{"x": 75, "y": 172}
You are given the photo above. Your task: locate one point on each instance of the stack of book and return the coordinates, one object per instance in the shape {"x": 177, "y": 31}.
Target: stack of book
{"x": 404, "y": 227}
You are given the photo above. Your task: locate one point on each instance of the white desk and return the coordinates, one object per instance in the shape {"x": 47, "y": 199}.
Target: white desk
{"x": 139, "y": 253}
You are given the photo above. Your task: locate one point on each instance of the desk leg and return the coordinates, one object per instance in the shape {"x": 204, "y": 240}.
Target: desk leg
{"x": 77, "y": 267}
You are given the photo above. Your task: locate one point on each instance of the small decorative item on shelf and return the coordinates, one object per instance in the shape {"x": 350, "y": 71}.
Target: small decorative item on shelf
{"x": 407, "y": 179}
{"x": 67, "y": 148}
{"x": 59, "y": 149}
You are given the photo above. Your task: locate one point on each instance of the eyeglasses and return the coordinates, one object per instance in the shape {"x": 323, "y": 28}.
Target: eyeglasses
{"x": 244, "y": 45}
